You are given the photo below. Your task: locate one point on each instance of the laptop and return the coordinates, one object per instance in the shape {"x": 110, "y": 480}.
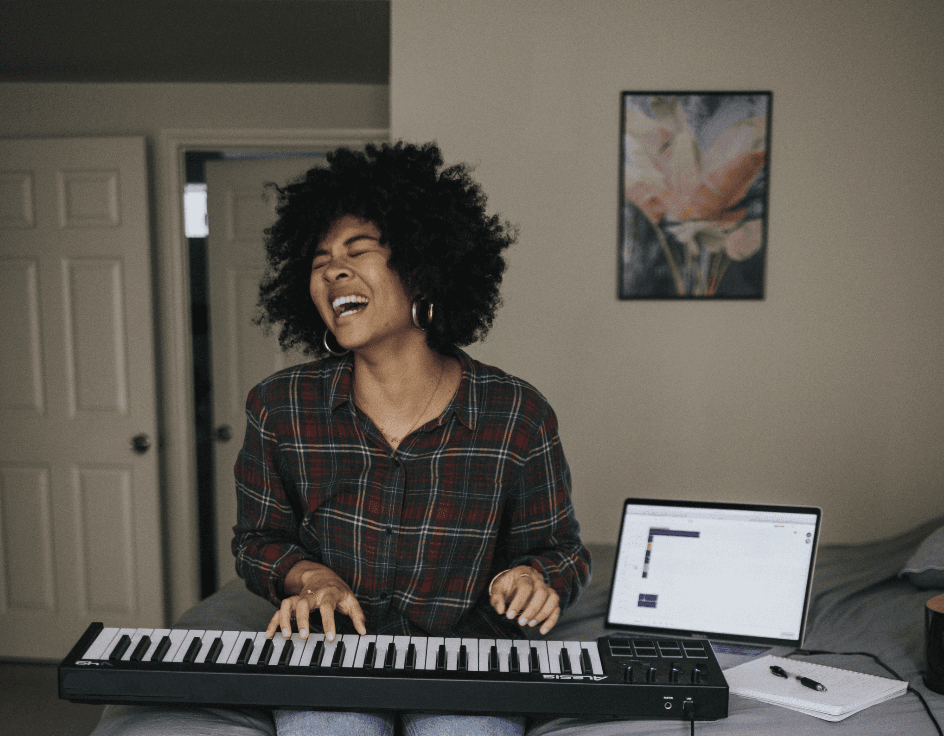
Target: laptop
{"x": 736, "y": 574}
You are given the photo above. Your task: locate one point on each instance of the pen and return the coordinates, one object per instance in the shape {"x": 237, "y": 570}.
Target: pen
{"x": 804, "y": 681}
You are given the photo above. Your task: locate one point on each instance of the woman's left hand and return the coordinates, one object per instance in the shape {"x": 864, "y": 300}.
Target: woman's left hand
{"x": 521, "y": 592}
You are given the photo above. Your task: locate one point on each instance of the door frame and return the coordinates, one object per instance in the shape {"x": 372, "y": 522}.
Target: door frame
{"x": 175, "y": 361}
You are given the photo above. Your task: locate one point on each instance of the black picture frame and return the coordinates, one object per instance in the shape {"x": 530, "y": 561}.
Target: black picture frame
{"x": 694, "y": 194}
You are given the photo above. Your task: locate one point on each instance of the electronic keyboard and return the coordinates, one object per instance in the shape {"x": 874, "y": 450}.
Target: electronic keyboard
{"x": 619, "y": 676}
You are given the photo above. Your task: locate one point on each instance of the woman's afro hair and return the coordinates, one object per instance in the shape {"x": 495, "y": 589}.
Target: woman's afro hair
{"x": 444, "y": 246}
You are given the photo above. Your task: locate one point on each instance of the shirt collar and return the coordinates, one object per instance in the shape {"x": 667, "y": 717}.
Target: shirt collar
{"x": 465, "y": 403}
{"x": 340, "y": 381}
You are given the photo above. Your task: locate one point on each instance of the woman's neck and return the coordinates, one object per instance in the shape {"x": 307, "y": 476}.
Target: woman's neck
{"x": 404, "y": 390}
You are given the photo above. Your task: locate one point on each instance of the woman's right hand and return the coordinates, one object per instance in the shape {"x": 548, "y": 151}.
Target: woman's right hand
{"x": 320, "y": 590}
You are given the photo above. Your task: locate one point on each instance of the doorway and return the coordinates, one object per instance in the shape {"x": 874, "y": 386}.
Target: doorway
{"x": 182, "y": 532}
{"x": 211, "y": 430}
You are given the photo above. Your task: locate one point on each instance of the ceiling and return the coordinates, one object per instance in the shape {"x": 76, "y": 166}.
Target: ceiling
{"x": 299, "y": 41}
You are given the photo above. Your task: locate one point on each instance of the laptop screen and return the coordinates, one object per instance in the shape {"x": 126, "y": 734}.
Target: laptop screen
{"x": 737, "y": 572}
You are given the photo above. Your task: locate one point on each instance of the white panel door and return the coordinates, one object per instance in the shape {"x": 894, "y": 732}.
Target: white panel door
{"x": 240, "y": 208}
{"x": 79, "y": 507}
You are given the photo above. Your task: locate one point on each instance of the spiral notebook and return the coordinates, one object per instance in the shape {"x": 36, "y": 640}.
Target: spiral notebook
{"x": 847, "y": 692}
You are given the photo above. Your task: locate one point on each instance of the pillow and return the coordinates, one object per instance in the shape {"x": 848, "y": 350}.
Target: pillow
{"x": 925, "y": 568}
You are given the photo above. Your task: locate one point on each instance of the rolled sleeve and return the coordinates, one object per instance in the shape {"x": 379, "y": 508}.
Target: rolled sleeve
{"x": 544, "y": 531}
{"x": 266, "y": 542}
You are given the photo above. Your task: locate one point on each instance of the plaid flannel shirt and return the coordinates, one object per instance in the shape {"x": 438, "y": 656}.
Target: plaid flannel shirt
{"x": 417, "y": 533}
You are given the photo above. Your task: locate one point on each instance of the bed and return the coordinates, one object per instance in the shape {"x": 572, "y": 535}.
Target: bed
{"x": 866, "y": 598}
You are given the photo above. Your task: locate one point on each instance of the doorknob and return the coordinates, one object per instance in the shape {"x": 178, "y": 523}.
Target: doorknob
{"x": 140, "y": 443}
{"x": 224, "y": 433}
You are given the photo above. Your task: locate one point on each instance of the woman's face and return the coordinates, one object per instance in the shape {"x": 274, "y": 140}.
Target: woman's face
{"x": 359, "y": 297}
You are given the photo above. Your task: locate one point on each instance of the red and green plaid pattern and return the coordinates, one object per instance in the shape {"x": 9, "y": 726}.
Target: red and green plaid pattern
{"x": 417, "y": 533}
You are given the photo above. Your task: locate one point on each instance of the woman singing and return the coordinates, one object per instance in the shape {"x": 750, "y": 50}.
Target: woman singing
{"x": 396, "y": 485}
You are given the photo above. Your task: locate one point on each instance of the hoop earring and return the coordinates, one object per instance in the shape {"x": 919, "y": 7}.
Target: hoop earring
{"x": 429, "y": 315}
{"x": 335, "y": 353}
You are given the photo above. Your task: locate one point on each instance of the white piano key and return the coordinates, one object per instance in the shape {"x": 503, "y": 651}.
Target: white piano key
{"x": 278, "y": 644}
{"x": 383, "y": 643}
{"x": 258, "y": 642}
{"x": 522, "y": 646}
{"x": 597, "y": 664}
{"x": 329, "y": 648}
{"x": 229, "y": 641}
{"x": 485, "y": 646}
{"x": 432, "y": 650}
{"x": 156, "y": 636}
{"x": 350, "y": 649}
{"x": 309, "y": 651}
{"x": 176, "y": 637}
{"x": 472, "y": 654}
{"x": 362, "y": 646}
{"x": 452, "y": 653}
{"x": 419, "y": 644}
{"x": 553, "y": 655}
{"x": 573, "y": 651}
{"x": 208, "y": 638}
{"x": 241, "y": 638}
{"x": 135, "y": 638}
{"x": 97, "y": 648}
{"x": 544, "y": 664}
{"x": 114, "y": 642}
{"x": 184, "y": 646}
{"x": 402, "y": 645}
{"x": 298, "y": 650}
{"x": 504, "y": 654}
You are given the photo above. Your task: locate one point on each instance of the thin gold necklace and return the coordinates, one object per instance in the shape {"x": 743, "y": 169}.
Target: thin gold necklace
{"x": 395, "y": 441}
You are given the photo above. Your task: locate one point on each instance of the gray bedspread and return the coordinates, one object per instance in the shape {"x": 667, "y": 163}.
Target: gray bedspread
{"x": 859, "y": 605}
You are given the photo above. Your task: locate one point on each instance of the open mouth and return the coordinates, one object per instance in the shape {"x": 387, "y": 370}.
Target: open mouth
{"x": 346, "y": 305}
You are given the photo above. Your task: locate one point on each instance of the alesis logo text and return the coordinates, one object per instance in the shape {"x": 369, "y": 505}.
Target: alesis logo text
{"x": 594, "y": 678}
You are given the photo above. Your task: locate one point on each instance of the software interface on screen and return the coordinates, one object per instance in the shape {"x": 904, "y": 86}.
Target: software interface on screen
{"x": 733, "y": 571}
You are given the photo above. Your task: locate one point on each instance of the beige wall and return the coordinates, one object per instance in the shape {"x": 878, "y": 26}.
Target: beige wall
{"x": 830, "y": 391}
{"x": 55, "y": 109}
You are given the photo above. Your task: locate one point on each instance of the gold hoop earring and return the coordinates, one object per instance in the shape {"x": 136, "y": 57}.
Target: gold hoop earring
{"x": 336, "y": 353}
{"x": 429, "y": 315}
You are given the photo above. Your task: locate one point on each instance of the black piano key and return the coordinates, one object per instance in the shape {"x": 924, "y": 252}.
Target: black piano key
{"x": 586, "y": 663}
{"x": 286, "y": 655}
{"x": 390, "y": 658}
{"x": 215, "y": 648}
{"x": 119, "y": 651}
{"x": 463, "y": 663}
{"x": 514, "y": 664}
{"x": 144, "y": 643}
{"x": 534, "y": 661}
{"x": 318, "y": 654}
{"x": 245, "y": 652}
{"x": 370, "y": 658}
{"x": 493, "y": 659}
{"x": 565, "y": 662}
{"x": 267, "y": 650}
{"x": 193, "y": 650}
{"x": 163, "y": 646}
{"x": 338, "y": 655}
{"x": 410, "y": 662}
{"x": 441, "y": 657}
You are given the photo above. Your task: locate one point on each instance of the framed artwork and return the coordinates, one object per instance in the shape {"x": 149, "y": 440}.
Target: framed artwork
{"x": 694, "y": 171}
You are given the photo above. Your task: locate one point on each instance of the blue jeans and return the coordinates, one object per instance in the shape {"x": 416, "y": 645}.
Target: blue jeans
{"x": 322, "y": 723}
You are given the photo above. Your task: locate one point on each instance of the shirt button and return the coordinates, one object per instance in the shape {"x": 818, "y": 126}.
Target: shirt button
{"x": 383, "y": 596}
{"x": 389, "y": 530}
